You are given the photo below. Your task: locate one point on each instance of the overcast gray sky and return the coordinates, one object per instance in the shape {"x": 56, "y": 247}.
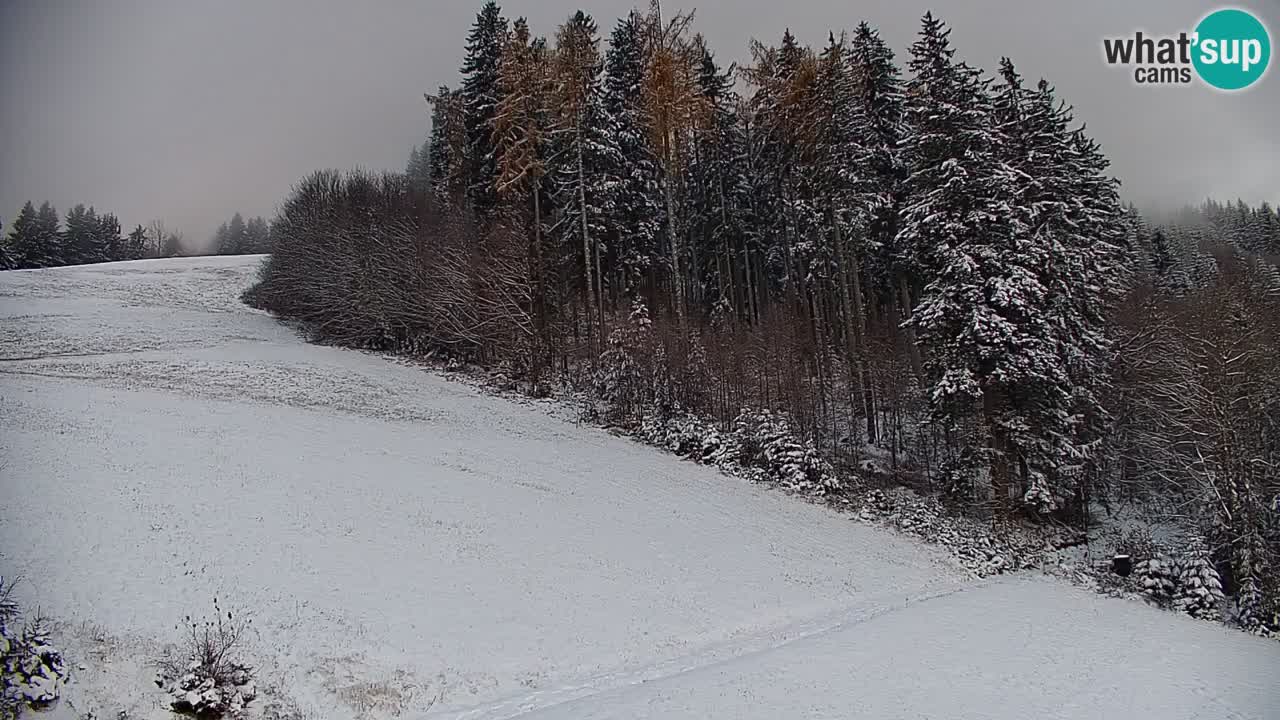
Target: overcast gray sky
{"x": 190, "y": 110}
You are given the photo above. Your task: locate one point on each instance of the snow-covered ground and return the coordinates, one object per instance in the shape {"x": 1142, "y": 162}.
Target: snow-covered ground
{"x": 410, "y": 547}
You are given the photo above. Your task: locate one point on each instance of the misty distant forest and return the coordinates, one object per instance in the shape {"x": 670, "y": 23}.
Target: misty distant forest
{"x": 40, "y": 239}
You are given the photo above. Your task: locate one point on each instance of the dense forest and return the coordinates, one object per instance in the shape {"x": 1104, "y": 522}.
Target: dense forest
{"x": 927, "y": 264}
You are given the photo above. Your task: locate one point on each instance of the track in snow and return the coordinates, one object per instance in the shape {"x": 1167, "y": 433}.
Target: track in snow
{"x": 405, "y": 542}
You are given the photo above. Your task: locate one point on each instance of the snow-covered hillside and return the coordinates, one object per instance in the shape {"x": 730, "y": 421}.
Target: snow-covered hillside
{"x": 408, "y": 547}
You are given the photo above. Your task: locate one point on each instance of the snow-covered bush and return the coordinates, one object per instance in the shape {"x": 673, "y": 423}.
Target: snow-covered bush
{"x": 1250, "y": 609}
{"x": 1039, "y": 496}
{"x": 206, "y": 680}
{"x": 685, "y": 435}
{"x": 982, "y": 547}
{"x": 1138, "y": 543}
{"x": 32, "y": 668}
{"x": 1257, "y": 610}
{"x": 1199, "y": 592}
{"x": 1153, "y": 572}
{"x": 623, "y": 379}
{"x": 1155, "y": 576}
{"x": 766, "y": 440}
{"x": 761, "y": 446}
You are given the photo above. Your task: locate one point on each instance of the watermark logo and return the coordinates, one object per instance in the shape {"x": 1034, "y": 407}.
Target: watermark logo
{"x": 1229, "y": 49}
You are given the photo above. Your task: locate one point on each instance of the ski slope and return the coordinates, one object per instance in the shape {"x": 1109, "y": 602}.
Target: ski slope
{"x": 410, "y": 547}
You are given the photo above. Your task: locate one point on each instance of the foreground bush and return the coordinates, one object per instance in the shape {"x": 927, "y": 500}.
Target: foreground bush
{"x": 207, "y": 679}
{"x": 33, "y": 670}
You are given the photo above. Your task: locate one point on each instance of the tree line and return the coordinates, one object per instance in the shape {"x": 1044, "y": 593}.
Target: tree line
{"x": 39, "y": 238}
{"x": 931, "y": 264}
{"x": 238, "y": 237}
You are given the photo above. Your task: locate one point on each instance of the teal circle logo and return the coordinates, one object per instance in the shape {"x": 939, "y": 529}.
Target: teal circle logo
{"x": 1232, "y": 49}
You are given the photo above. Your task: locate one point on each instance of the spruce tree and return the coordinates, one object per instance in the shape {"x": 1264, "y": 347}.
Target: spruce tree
{"x": 136, "y": 244}
{"x": 1068, "y": 210}
{"x": 1271, "y": 233}
{"x": 109, "y": 243}
{"x": 584, "y": 149}
{"x": 981, "y": 316}
{"x": 94, "y": 248}
{"x": 79, "y": 236}
{"x": 236, "y": 239}
{"x": 636, "y": 213}
{"x": 53, "y": 251}
{"x": 444, "y": 164}
{"x": 25, "y": 246}
{"x": 479, "y": 97}
{"x": 1199, "y": 585}
{"x": 413, "y": 167}
{"x": 6, "y": 257}
{"x": 878, "y": 129}
{"x": 221, "y": 240}
{"x": 1102, "y": 268}
{"x": 257, "y": 235}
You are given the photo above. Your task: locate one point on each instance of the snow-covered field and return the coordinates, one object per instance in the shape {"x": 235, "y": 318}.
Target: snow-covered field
{"x": 409, "y": 547}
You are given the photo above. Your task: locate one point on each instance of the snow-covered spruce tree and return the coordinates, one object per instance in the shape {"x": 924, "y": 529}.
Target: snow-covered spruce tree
{"x": 233, "y": 242}
{"x": 479, "y": 98}
{"x": 626, "y": 366}
{"x": 983, "y": 320}
{"x": 447, "y": 146}
{"x": 49, "y": 236}
{"x": 1169, "y": 273}
{"x": 584, "y": 151}
{"x": 415, "y": 159}
{"x": 1268, "y": 229}
{"x": 1152, "y": 570}
{"x": 1069, "y": 211}
{"x": 766, "y": 440}
{"x": 110, "y": 244}
{"x": 78, "y": 239}
{"x": 881, "y": 172}
{"x": 24, "y": 241}
{"x": 1103, "y": 270}
{"x": 31, "y": 668}
{"x": 1255, "y": 611}
{"x": 417, "y": 169}
{"x": 1156, "y": 577}
{"x": 636, "y": 213}
{"x": 1199, "y": 592}
{"x": 257, "y": 234}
